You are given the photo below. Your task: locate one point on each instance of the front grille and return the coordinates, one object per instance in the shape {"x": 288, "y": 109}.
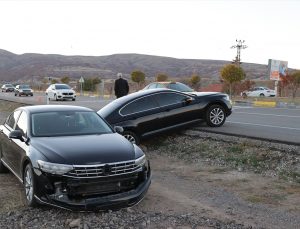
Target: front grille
{"x": 67, "y": 93}
{"x": 103, "y": 186}
{"x": 103, "y": 170}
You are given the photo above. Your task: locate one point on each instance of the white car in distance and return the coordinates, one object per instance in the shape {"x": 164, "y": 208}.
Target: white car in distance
{"x": 60, "y": 92}
{"x": 259, "y": 92}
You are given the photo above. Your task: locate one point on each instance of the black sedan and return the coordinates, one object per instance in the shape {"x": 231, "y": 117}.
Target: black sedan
{"x": 152, "y": 111}
{"x": 69, "y": 157}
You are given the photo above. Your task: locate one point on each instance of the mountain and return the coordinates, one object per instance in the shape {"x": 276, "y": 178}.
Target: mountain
{"x": 27, "y": 66}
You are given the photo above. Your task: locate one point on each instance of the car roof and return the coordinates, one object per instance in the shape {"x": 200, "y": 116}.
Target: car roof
{"x": 143, "y": 93}
{"x": 49, "y": 108}
{"x": 166, "y": 82}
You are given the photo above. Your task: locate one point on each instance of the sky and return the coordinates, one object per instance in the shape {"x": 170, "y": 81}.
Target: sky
{"x": 187, "y": 29}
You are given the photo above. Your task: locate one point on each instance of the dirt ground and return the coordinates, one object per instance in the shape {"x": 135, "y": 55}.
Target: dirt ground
{"x": 184, "y": 188}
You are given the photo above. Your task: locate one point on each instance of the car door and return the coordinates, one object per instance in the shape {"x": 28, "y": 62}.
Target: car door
{"x": 7, "y": 144}
{"x": 142, "y": 114}
{"x": 19, "y": 147}
{"x": 178, "y": 108}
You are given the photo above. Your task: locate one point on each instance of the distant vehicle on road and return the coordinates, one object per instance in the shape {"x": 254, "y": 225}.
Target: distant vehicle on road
{"x": 148, "y": 112}
{"x": 258, "y": 92}
{"x": 170, "y": 85}
{"x": 23, "y": 89}
{"x": 8, "y": 88}
{"x": 68, "y": 156}
{"x": 60, "y": 92}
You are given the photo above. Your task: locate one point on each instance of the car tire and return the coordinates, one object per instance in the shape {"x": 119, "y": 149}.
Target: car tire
{"x": 15, "y": 94}
{"x": 132, "y": 137}
{"x": 244, "y": 95}
{"x": 215, "y": 116}
{"x": 73, "y": 99}
{"x": 29, "y": 185}
{"x": 262, "y": 95}
{"x": 55, "y": 98}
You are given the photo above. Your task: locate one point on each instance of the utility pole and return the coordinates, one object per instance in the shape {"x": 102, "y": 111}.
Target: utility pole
{"x": 239, "y": 45}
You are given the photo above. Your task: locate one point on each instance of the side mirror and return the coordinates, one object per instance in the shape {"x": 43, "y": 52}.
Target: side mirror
{"x": 187, "y": 101}
{"x": 119, "y": 129}
{"x": 16, "y": 134}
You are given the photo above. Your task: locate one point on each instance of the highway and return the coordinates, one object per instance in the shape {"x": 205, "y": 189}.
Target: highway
{"x": 274, "y": 124}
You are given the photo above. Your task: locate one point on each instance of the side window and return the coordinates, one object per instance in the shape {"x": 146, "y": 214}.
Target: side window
{"x": 173, "y": 86}
{"x": 139, "y": 105}
{"x": 12, "y": 119}
{"x": 160, "y": 85}
{"x": 22, "y": 123}
{"x": 165, "y": 99}
{"x": 151, "y": 86}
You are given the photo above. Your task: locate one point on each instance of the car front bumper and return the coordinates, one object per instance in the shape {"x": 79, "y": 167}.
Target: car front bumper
{"x": 96, "y": 202}
{"x": 26, "y": 93}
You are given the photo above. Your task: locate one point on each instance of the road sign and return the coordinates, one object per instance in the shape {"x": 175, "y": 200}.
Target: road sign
{"x": 81, "y": 80}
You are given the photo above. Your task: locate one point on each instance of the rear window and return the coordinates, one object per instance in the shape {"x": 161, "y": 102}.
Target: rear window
{"x": 180, "y": 87}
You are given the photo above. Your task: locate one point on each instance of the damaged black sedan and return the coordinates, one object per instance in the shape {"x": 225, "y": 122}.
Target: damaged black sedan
{"x": 69, "y": 157}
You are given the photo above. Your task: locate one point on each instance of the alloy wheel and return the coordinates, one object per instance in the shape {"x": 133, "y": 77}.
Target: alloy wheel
{"x": 28, "y": 185}
{"x": 216, "y": 116}
{"x": 130, "y": 138}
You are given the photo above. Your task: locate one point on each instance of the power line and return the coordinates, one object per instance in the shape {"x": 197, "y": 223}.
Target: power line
{"x": 239, "y": 45}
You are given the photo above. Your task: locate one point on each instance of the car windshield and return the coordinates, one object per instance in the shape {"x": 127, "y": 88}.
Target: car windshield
{"x": 8, "y": 85}
{"x": 180, "y": 87}
{"x": 24, "y": 86}
{"x": 62, "y": 86}
{"x": 66, "y": 123}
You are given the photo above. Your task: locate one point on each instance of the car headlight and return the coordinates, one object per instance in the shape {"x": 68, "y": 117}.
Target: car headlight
{"x": 54, "y": 168}
{"x": 140, "y": 161}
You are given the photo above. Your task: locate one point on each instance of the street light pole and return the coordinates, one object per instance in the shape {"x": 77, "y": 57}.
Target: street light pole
{"x": 239, "y": 45}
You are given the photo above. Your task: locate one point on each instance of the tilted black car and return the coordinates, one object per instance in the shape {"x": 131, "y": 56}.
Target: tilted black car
{"x": 69, "y": 157}
{"x": 155, "y": 110}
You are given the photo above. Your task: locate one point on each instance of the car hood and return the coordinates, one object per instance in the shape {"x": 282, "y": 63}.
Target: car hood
{"x": 85, "y": 149}
{"x": 65, "y": 91}
{"x": 203, "y": 93}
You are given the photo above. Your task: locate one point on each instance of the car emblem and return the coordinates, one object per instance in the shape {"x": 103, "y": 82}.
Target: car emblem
{"x": 106, "y": 169}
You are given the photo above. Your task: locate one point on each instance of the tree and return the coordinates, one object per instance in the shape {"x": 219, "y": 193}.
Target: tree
{"x": 231, "y": 74}
{"x": 90, "y": 84}
{"x": 195, "y": 81}
{"x": 293, "y": 82}
{"x": 160, "y": 77}
{"x": 53, "y": 81}
{"x": 65, "y": 79}
{"x": 138, "y": 77}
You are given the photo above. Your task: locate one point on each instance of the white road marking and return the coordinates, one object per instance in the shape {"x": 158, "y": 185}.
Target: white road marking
{"x": 288, "y": 116}
{"x": 253, "y": 124}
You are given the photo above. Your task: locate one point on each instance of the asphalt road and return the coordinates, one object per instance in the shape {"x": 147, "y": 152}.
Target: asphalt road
{"x": 275, "y": 124}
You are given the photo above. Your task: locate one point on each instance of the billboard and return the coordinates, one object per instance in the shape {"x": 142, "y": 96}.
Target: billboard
{"x": 277, "y": 69}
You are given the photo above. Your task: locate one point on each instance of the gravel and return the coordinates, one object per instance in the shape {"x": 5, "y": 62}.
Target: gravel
{"x": 125, "y": 218}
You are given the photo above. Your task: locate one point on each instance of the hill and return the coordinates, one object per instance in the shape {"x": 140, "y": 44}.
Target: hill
{"x": 30, "y": 66}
